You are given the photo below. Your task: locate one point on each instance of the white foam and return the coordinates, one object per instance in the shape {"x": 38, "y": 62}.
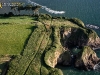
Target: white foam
{"x": 92, "y": 26}
{"x": 46, "y": 8}
{"x": 97, "y": 67}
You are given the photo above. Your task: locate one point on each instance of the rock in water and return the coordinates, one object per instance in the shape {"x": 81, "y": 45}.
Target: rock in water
{"x": 86, "y": 59}
{"x": 65, "y": 59}
{"x": 97, "y": 67}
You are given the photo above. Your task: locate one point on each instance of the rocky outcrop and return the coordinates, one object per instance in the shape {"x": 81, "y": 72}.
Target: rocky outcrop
{"x": 51, "y": 58}
{"x": 86, "y": 59}
{"x": 65, "y": 34}
{"x": 72, "y": 34}
{"x": 83, "y": 38}
{"x": 94, "y": 43}
{"x": 65, "y": 59}
{"x": 73, "y": 37}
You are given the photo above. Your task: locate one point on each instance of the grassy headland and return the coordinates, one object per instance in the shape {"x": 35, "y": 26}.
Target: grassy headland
{"x": 36, "y": 42}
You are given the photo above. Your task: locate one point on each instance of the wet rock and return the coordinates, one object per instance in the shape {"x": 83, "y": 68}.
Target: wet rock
{"x": 86, "y": 59}
{"x": 65, "y": 59}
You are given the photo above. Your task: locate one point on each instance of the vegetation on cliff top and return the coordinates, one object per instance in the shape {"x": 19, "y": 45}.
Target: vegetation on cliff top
{"x": 41, "y": 44}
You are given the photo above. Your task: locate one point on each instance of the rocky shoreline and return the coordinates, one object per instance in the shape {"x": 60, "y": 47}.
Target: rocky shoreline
{"x": 82, "y": 40}
{"x": 56, "y": 41}
{"x": 78, "y": 44}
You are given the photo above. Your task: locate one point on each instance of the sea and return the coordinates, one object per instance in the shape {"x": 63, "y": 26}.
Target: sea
{"x": 86, "y": 10}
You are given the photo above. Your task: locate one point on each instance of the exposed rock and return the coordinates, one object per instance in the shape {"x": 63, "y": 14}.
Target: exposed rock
{"x": 51, "y": 58}
{"x": 73, "y": 37}
{"x": 86, "y": 59}
{"x": 65, "y": 59}
{"x": 65, "y": 34}
{"x": 94, "y": 43}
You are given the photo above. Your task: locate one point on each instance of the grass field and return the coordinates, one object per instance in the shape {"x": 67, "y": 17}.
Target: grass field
{"x": 14, "y": 32}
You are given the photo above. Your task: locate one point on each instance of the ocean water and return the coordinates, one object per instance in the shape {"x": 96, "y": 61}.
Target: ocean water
{"x": 86, "y": 10}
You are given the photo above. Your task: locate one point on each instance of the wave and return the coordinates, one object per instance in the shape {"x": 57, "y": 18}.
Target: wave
{"x": 92, "y": 26}
{"x": 97, "y": 67}
{"x": 46, "y": 8}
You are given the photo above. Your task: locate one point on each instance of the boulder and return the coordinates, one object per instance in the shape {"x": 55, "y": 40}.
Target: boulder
{"x": 65, "y": 59}
{"x": 86, "y": 59}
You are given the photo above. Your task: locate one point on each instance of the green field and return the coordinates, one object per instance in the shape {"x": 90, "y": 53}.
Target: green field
{"x": 14, "y": 33}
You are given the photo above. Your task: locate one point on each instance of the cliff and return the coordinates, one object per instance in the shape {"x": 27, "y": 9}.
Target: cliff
{"x": 73, "y": 37}
{"x": 86, "y": 59}
{"x": 52, "y": 42}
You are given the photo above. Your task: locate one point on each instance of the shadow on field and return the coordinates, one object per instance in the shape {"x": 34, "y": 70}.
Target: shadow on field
{"x": 25, "y": 43}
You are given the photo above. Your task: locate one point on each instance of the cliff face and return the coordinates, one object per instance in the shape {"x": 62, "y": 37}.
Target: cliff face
{"x": 94, "y": 43}
{"x": 86, "y": 59}
{"x": 83, "y": 38}
{"x": 65, "y": 59}
{"x": 51, "y": 58}
{"x": 73, "y": 37}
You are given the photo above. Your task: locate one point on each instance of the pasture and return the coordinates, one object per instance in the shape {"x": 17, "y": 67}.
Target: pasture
{"x": 14, "y": 33}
